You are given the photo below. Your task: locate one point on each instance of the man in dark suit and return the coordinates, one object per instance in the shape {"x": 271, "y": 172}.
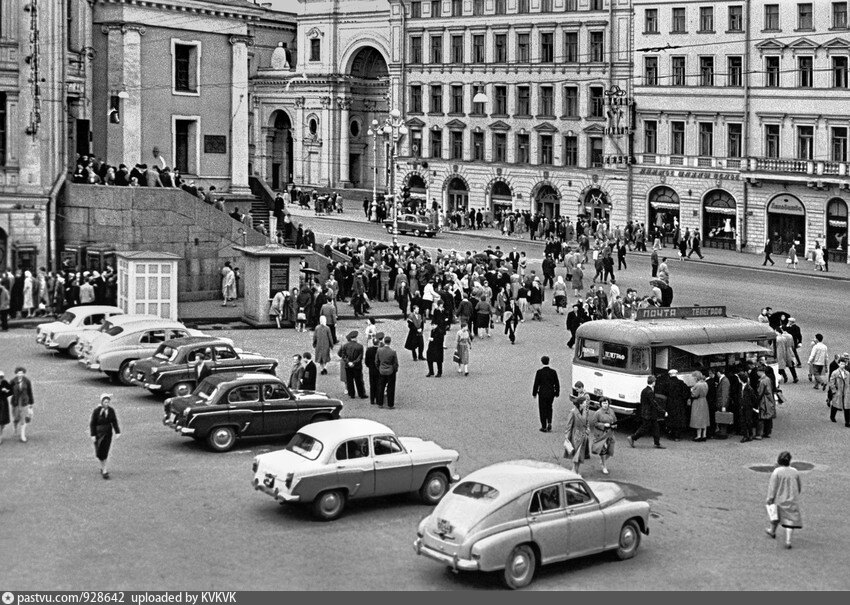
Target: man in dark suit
{"x": 387, "y": 361}
{"x": 649, "y": 412}
{"x": 351, "y": 354}
{"x": 546, "y": 388}
{"x": 369, "y": 359}
{"x": 308, "y": 378}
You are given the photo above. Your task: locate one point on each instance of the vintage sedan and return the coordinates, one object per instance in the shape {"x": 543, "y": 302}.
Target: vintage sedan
{"x": 514, "y": 516}
{"x": 89, "y": 340}
{"x": 178, "y": 364}
{"x": 63, "y": 333}
{"x": 329, "y": 463}
{"x": 410, "y": 223}
{"x": 227, "y": 407}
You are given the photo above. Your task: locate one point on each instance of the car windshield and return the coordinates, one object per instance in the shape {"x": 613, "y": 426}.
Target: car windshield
{"x": 67, "y": 317}
{"x": 476, "y": 491}
{"x": 165, "y": 352}
{"x": 305, "y": 446}
{"x": 206, "y": 389}
{"x": 114, "y": 331}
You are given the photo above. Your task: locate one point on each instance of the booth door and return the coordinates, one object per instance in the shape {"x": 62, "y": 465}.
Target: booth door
{"x": 153, "y": 289}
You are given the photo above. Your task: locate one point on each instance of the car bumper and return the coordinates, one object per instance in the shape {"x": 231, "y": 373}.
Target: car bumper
{"x": 40, "y": 338}
{"x": 178, "y": 428}
{"x": 152, "y": 386}
{"x": 275, "y": 493}
{"x": 92, "y": 366}
{"x": 453, "y": 561}
{"x": 51, "y": 344}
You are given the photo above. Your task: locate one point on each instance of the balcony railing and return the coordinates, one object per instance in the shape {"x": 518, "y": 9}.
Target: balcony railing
{"x": 778, "y": 166}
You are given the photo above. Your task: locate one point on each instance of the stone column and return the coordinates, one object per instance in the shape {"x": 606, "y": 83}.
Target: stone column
{"x": 239, "y": 109}
{"x": 344, "y": 168}
{"x": 131, "y": 107}
{"x": 298, "y": 142}
{"x": 325, "y": 171}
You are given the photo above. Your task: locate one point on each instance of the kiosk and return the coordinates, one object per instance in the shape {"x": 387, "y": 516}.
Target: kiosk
{"x": 147, "y": 283}
{"x": 268, "y": 269}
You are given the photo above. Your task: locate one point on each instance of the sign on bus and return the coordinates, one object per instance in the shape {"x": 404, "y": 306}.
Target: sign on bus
{"x": 680, "y": 312}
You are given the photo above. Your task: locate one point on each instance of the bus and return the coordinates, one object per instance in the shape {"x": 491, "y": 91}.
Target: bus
{"x": 614, "y": 357}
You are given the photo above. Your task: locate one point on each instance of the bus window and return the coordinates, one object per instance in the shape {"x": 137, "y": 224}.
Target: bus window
{"x": 640, "y": 360}
{"x": 588, "y": 351}
{"x": 614, "y": 355}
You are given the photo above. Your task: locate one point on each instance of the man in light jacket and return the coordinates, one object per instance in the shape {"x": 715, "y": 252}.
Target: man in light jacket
{"x": 818, "y": 360}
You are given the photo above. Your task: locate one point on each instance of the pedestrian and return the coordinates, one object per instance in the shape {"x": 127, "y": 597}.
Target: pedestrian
{"x": 22, "y": 402}
{"x": 695, "y": 244}
{"x": 602, "y": 424}
{"x": 351, "y": 354}
{"x": 328, "y": 311}
{"x": 371, "y": 365}
{"x": 228, "y": 284}
{"x": 699, "y": 406}
{"x": 574, "y": 320}
{"x": 546, "y": 387}
{"x": 434, "y": 352}
{"x": 277, "y": 306}
{"x": 559, "y": 293}
{"x": 5, "y": 304}
{"x": 621, "y": 255}
{"x": 323, "y": 344}
{"x": 791, "y": 261}
{"x": 678, "y": 395}
{"x": 414, "y": 341}
{"x": 463, "y": 347}
{"x": 5, "y": 413}
{"x": 649, "y": 412}
{"x": 748, "y": 409}
{"x": 295, "y": 373}
{"x": 767, "y": 404}
{"x": 768, "y": 248}
{"x": 309, "y": 372}
{"x": 839, "y": 389}
{"x": 483, "y": 312}
{"x": 796, "y": 336}
{"x": 577, "y": 435}
{"x": 387, "y": 361}
{"x": 103, "y": 426}
{"x": 653, "y": 259}
{"x": 783, "y": 498}
{"x": 578, "y": 276}
{"x": 817, "y": 361}
{"x": 785, "y": 354}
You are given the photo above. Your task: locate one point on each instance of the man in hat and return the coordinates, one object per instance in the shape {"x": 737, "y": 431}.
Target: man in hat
{"x": 103, "y": 425}
{"x": 794, "y": 330}
{"x": 22, "y": 401}
{"x": 351, "y": 354}
{"x": 371, "y": 365}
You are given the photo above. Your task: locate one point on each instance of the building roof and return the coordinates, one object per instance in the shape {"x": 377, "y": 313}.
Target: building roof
{"x": 147, "y": 255}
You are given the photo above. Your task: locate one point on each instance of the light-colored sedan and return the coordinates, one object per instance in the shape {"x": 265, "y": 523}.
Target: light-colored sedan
{"x": 63, "y": 333}
{"x": 89, "y": 340}
{"x": 328, "y": 463}
{"x": 514, "y": 516}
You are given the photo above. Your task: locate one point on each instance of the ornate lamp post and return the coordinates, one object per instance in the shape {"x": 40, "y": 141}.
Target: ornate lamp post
{"x": 373, "y": 132}
{"x": 394, "y": 128}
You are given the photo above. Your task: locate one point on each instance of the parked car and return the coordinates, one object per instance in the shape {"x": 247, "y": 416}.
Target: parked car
{"x": 88, "y": 340}
{"x": 115, "y": 354}
{"x": 329, "y": 463}
{"x": 411, "y": 223}
{"x": 227, "y": 407}
{"x": 514, "y": 516}
{"x": 63, "y": 333}
{"x": 174, "y": 368}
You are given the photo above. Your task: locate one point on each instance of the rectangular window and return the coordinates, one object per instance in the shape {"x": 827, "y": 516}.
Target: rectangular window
{"x": 677, "y": 138}
{"x": 734, "y": 140}
{"x": 478, "y": 48}
{"x": 416, "y": 49}
{"x": 588, "y": 351}
{"x": 522, "y": 149}
{"x": 185, "y": 159}
{"x": 650, "y": 136}
{"x": 571, "y": 101}
{"x": 437, "y": 49}
{"x": 186, "y": 68}
{"x": 501, "y": 48}
{"x": 477, "y": 108}
{"x": 416, "y": 98}
{"x": 804, "y": 16}
{"x": 436, "y": 8}
{"x": 706, "y": 71}
{"x": 415, "y": 9}
{"x": 771, "y": 17}
{"x": 839, "y": 144}
{"x": 839, "y": 15}
{"x": 805, "y": 142}
{"x": 570, "y": 151}
{"x": 571, "y": 47}
{"x": 522, "y": 48}
{"x": 457, "y": 98}
{"x": 597, "y": 101}
{"x": 771, "y": 140}
{"x": 457, "y": 50}
{"x": 596, "y": 157}
{"x": 706, "y": 19}
{"x": 650, "y": 71}
{"x": 545, "y": 6}
{"x": 437, "y": 144}
{"x": 457, "y": 8}
{"x": 523, "y": 100}
{"x": 706, "y": 139}
{"x": 500, "y": 100}
{"x": 839, "y": 72}
{"x": 597, "y": 47}
{"x": 500, "y": 147}
{"x": 596, "y": 5}
{"x": 735, "y": 71}
{"x": 805, "y": 70}
{"x": 478, "y": 146}
{"x": 736, "y": 18}
{"x": 572, "y": 5}
{"x": 771, "y": 72}
{"x": 436, "y": 98}
{"x": 678, "y": 71}
{"x": 416, "y": 143}
{"x": 2, "y": 128}
{"x": 614, "y": 355}
{"x": 547, "y": 150}
{"x": 477, "y": 7}
{"x": 547, "y": 101}
{"x": 315, "y": 49}
{"x": 456, "y": 145}
{"x": 501, "y": 7}
{"x": 523, "y": 6}
{"x": 650, "y": 21}
{"x": 679, "y": 24}
{"x": 547, "y": 47}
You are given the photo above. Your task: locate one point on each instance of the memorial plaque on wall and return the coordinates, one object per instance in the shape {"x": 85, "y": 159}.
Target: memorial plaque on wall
{"x": 278, "y": 276}
{"x": 214, "y": 143}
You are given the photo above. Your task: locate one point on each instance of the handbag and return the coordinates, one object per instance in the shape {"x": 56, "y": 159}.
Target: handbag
{"x": 772, "y": 512}
{"x": 724, "y": 417}
{"x": 569, "y": 448}
{"x": 456, "y": 357}
{"x": 787, "y": 261}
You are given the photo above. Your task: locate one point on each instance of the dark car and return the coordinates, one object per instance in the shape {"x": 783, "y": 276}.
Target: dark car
{"x": 180, "y": 363}
{"x": 227, "y": 407}
{"x": 410, "y": 223}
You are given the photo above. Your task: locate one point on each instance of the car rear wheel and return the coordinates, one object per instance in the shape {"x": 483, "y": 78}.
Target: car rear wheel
{"x": 389, "y": 228}
{"x": 434, "y": 488}
{"x": 75, "y": 350}
{"x": 629, "y": 540}
{"x": 417, "y": 233}
{"x": 221, "y": 438}
{"x": 329, "y": 505}
{"x": 125, "y": 374}
{"x": 520, "y": 567}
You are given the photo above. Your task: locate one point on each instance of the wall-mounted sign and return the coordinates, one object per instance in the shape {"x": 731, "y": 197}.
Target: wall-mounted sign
{"x": 786, "y": 204}
{"x": 215, "y": 143}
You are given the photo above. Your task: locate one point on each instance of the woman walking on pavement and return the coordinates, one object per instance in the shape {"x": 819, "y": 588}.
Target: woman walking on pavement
{"x": 464, "y": 346}
{"x": 783, "y": 492}
{"x": 768, "y": 248}
{"x": 602, "y": 425}
{"x": 576, "y": 435}
{"x": 792, "y": 256}
{"x": 414, "y": 342}
{"x": 699, "y": 406}
{"x": 103, "y": 425}
{"x": 5, "y": 391}
{"x": 434, "y": 352}
{"x": 22, "y": 401}
{"x": 839, "y": 389}
{"x": 323, "y": 344}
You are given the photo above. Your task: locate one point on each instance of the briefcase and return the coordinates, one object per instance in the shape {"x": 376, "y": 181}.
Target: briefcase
{"x": 724, "y": 418}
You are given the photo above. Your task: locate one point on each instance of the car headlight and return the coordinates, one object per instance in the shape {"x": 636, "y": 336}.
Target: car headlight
{"x": 154, "y": 370}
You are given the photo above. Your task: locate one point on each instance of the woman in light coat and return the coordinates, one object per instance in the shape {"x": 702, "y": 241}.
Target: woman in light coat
{"x": 577, "y": 434}
{"x": 602, "y": 425}
{"x": 792, "y": 256}
{"x": 839, "y": 390}
{"x": 323, "y": 344}
{"x": 699, "y": 406}
{"x": 560, "y": 294}
{"x": 464, "y": 346}
{"x": 29, "y": 298}
{"x": 277, "y": 306}
{"x": 783, "y": 490}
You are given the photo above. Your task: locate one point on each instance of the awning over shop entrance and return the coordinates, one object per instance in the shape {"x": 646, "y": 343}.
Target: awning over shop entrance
{"x": 722, "y": 348}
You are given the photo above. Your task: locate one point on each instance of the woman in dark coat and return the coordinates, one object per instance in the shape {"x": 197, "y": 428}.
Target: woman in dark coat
{"x": 5, "y": 391}
{"x": 103, "y": 425}
{"x": 305, "y": 301}
{"x": 678, "y": 394}
{"x": 17, "y": 301}
{"x": 434, "y": 353}
{"x": 747, "y": 410}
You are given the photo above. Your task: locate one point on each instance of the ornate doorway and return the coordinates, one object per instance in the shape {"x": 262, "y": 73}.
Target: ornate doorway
{"x": 279, "y": 150}
{"x": 548, "y": 201}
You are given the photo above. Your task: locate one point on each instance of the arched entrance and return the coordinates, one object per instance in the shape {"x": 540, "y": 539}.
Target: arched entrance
{"x": 458, "y": 195}
{"x": 4, "y": 254}
{"x": 595, "y": 205}
{"x": 279, "y": 155}
{"x": 418, "y": 192}
{"x": 501, "y": 197}
{"x": 547, "y": 201}
{"x": 786, "y": 223}
{"x": 719, "y": 220}
{"x": 836, "y": 230}
{"x": 363, "y": 158}
{"x": 663, "y": 214}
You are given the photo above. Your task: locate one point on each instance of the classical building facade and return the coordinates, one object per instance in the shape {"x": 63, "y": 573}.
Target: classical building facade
{"x": 742, "y": 121}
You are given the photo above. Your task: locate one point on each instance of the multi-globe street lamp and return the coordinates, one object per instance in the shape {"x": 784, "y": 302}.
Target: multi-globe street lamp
{"x": 393, "y": 128}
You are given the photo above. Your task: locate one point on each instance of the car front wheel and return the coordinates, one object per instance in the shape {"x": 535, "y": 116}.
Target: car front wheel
{"x": 125, "y": 374}
{"x": 520, "y": 567}
{"x": 417, "y": 233}
{"x": 434, "y": 488}
{"x": 221, "y": 438}
{"x": 182, "y": 388}
{"x": 389, "y": 228}
{"x": 329, "y": 505}
{"x": 629, "y": 540}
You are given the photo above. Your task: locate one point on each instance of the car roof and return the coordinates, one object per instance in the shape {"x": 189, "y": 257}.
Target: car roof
{"x": 516, "y": 477}
{"x": 124, "y": 319}
{"x": 194, "y": 340}
{"x": 236, "y": 377}
{"x": 343, "y": 428}
{"x": 92, "y": 309}
{"x": 152, "y": 324}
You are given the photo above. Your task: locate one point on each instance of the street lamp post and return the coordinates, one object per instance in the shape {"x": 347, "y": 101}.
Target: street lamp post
{"x": 395, "y": 128}
{"x": 373, "y": 132}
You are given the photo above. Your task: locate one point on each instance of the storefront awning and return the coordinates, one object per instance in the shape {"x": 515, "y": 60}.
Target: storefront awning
{"x": 722, "y": 348}
{"x": 716, "y": 210}
{"x": 665, "y": 205}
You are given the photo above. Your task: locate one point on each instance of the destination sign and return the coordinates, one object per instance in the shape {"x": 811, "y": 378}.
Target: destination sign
{"x": 680, "y": 312}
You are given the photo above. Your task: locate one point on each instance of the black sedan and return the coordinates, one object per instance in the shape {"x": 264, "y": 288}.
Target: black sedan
{"x": 410, "y": 223}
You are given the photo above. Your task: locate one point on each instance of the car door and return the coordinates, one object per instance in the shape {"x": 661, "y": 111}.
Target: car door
{"x": 93, "y": 321}
{"x": 226, "y": 359}
{"x": 355, "y": 468}
{"x": 393, "y": 466}
{"x": 244, "y": 405}
{"x": 280, "y": 411}
{"x": 585, "y": 519}
{"x": 548, "y": 522}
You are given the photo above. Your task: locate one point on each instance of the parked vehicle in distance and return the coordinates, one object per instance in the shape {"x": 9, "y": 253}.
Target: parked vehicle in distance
{"x": 411, "y": 223}
{"x": 63, "y": 333}
{"x": 89, "y": 340}
{"x": 328, "y": 463}
{"x": 227, "y": 407}
{"x": 174, "y": 367}
{"x": 513, "y": 516}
